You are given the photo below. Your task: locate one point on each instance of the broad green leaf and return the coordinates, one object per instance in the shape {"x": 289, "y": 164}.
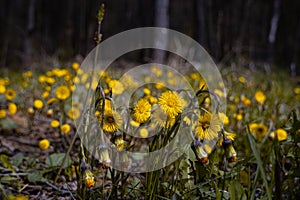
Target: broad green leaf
{"x": 35, "y": 177}
{"x": 17, "y": 159}
{"x": 8, "y": 124}
{"x": 56, "y": 159}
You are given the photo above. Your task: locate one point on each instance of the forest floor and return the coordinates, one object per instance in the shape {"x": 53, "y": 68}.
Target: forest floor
{"x": 37, "y": 129}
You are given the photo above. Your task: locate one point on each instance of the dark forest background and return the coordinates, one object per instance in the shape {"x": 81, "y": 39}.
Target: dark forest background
{"x": 246, "y": 32}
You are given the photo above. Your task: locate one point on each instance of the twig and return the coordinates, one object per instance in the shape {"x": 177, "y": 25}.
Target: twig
{"x": 62, "y": 191}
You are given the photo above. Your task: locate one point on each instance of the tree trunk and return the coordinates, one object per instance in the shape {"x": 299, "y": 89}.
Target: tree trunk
{"x": 161, "y": 20}
{"x": 211, "y": 30}
{"x": 273, "y": 29}
{"x": 27, "y": 40}
{"x": 200, "y": 21}
{"x": 293, "y": 65}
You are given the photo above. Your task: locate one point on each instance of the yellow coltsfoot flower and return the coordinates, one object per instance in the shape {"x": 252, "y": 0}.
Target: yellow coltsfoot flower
{"x": 280, "y": 133}
{"x": 65, "y": 128}
{"x": 258, "y": 130}
{"x": 12, "y": 108}
{"x": 209, "y": 126}
{"x": 10, "y": 94}
{"x": 54, "y": 123}
{"x": 171, "y": 102}
{"x": 111, "y": 121}
{"x": 2, "y": 113}
{"x": 142, "y": 111}
{"x": 44, "y": 144}
{"x": 260, "y": 97}
{"x": 62, "y": 92}
{"x": 38, "y": 104}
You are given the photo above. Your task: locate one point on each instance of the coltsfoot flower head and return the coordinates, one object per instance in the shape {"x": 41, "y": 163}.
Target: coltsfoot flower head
{"x": 116, "y": 86}
{"x": 38, "y": 104}
{"x": 281, "y": 134}
{"x": 120, "y": 144}
{"x": 54, "y": 123}
{"x": 65, "y": 128}
{"x": 51, "y": 101}
{"x": 209, "y": 126}
{"x": 260, "y": 97}
{"x": 2, "y": 113}
{"x": 10, "y": 94}
{"x": 111, "y": 121}
{"x": 75, "y": 66}
{"x": 44, "y": 144}
{"x": 227, "y": 139}
{"x": 144, "y": 133}
{"x": 160, "y": 118}
{"x": 134, "y": 123}
{"x": 62, "y": 92}
{"x": 12, "y": 108}
{"x": 224, "y": 118}
{"x": 107, "y": 105}
{"x": 142, "y": 111}
{"x": 258, "y": 130}
{"x": 89, "y": 179}
{"x": 74, "y": 113}
{"x": 171, "y": 102}
{"x": 2, "y": 89}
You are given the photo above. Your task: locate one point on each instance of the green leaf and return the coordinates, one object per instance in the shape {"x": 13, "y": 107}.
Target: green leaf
{"x": 5, "y": 161}
{"x": 17, "y": 159}
{"x": 35, "y": 177}
{"x": 7, "y": 124}
{"x": 8, "y": 179}
{"x": 232, "y": 191}
{"x": 259, "y": 162}
{"x": 56, "y": 159}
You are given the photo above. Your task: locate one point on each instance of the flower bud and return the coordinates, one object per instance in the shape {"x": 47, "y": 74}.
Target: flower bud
{"x": 200, "y": 153}
{"x": 89, "y": 179}
{"x": 231, "y": 153}
{"x": 119, "y": 142}
{"x": 104, "y": 157}
{"x": 49, "y": 113}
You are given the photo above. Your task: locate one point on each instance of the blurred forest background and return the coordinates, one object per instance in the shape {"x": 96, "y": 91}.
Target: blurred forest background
{"x": 246, "y": 32}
